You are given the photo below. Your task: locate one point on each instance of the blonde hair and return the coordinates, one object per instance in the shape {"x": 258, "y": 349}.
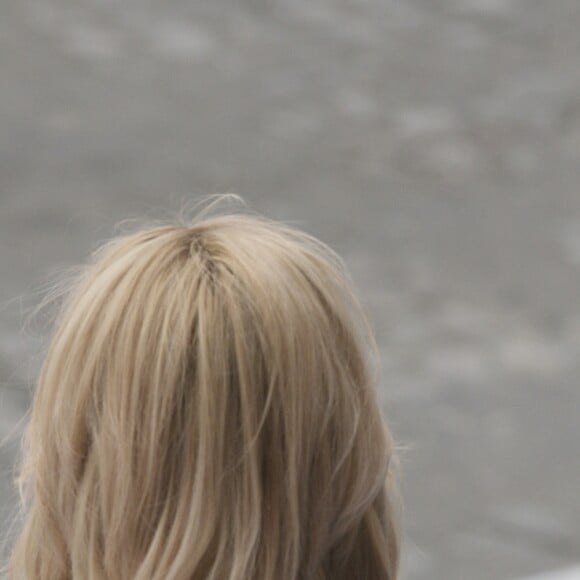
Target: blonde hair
{"x": 207, "y": 410}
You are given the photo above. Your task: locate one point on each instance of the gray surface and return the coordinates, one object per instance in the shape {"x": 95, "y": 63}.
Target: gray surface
{"x": 434, "y": 143}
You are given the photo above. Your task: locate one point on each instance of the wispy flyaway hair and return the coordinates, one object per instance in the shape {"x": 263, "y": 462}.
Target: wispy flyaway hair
{"x": 207, "y": 410}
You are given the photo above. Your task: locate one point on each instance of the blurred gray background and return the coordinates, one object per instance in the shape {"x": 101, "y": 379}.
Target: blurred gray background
{"x": 435, "y": 144}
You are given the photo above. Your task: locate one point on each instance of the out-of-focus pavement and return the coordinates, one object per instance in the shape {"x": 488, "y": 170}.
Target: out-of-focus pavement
{"x": 434, "y": 143}
{"x": 567, "y": 574}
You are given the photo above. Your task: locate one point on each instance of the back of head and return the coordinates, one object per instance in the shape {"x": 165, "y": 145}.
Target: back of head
{"x": 207, "y": 410}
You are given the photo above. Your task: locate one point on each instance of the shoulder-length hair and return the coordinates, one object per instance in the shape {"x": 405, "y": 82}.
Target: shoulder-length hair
{"x": 207, "y": 410}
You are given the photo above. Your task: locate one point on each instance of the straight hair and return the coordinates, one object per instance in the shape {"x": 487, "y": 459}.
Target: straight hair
{"x": 207, "y": 410}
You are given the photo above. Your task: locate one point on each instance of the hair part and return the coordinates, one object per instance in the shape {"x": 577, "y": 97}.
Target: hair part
{"x": 207, "y": 410}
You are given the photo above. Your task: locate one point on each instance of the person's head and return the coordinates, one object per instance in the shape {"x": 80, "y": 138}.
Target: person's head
{"x": 207, "y": 410}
